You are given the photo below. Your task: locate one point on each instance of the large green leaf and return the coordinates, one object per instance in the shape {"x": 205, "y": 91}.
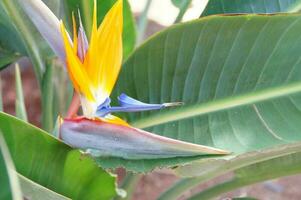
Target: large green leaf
{"x": 54, "y": 165}
{"x": 34, "y": 191}
{"x": 250, "y": 6}
{"x": 19, "y": 24}
{"x": 20, "y": 37}
{"x": 239, "y": 77}
{"x": 247, "y": 169}
{"x": 86, "y": 9}
{"x": 18, "y": 20}
{"x": 17, "y": 30}
{"x": 282, "y": 162}
{"x": 10, "y": 188}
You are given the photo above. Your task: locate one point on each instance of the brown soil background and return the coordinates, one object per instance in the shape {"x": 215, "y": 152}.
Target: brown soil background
{"x": 152, "y": 184}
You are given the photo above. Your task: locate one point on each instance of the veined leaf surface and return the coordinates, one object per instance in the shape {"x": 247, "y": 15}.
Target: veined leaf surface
{"x": 250, "y": 6}
{"x": 239, "y": 77}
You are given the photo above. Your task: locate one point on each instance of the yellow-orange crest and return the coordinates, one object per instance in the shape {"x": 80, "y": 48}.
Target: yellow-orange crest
{"x": 94, "y": 76}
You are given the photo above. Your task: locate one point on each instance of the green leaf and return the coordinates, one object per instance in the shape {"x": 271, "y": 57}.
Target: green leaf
{"x": 10, "y": 41}
{"x": 28, "y": 34}
{"x": 239, "y": 77}
{"x": 11, "y": 47}
{"x": 7, "y": 58}
{"x": 10, "y": 188}
{"x": 12, "y": 183}
{"x": 265, "y": 164}
{"x": 54, "y": 165}
{"x": 34, "y": 191}
{"x": 250, "y": 6}
{"x": 57, "y": 7}
{"x": 284, "y": 162}
{"x": 20, "y": 36}
{"x": 103, "y": 6}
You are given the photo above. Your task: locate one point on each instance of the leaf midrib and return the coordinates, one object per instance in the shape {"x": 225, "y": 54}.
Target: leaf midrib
{"x": 217, "y": 105}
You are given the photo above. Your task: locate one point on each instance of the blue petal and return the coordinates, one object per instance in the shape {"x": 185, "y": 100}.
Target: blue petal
{"x": 128, "y": 104}
{"x": 105, "y": 104}
{"x": 126, "y": 101}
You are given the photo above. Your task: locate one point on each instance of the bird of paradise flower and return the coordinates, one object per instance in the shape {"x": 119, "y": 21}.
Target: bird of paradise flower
{"x": 93, "y": 68}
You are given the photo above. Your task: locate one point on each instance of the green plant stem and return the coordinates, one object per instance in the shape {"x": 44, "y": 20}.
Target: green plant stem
{"x": 179, "y": 187}
{"x": 1, "y": 99}
{"x": 220, "y": 189}
{"x": 47, "y": 98}
{"x": 87, "y": 7}
{"x": 27, "y": 37}
{"x": 142, "y": 22}
{"x": 128, "y": 184}
{"x": 20, "y": 105}
{"x": 183, "y": 9}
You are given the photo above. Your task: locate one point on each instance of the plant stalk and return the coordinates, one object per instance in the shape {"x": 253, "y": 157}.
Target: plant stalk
{"x": 142, "y": 22}
{"x": 220, "y": 189}
{"x": 1, "y": 99}
{"x": 19, "y": 103}
{"x": 128, "y": 184}
{"x": 47, "y": 98}
{"x": 182, "y": 10}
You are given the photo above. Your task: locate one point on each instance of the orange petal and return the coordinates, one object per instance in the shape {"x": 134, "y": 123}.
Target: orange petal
{"x": 91, "y": 59}
{"x": 105, "y": 52}
{"x": 113, "y": 120}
